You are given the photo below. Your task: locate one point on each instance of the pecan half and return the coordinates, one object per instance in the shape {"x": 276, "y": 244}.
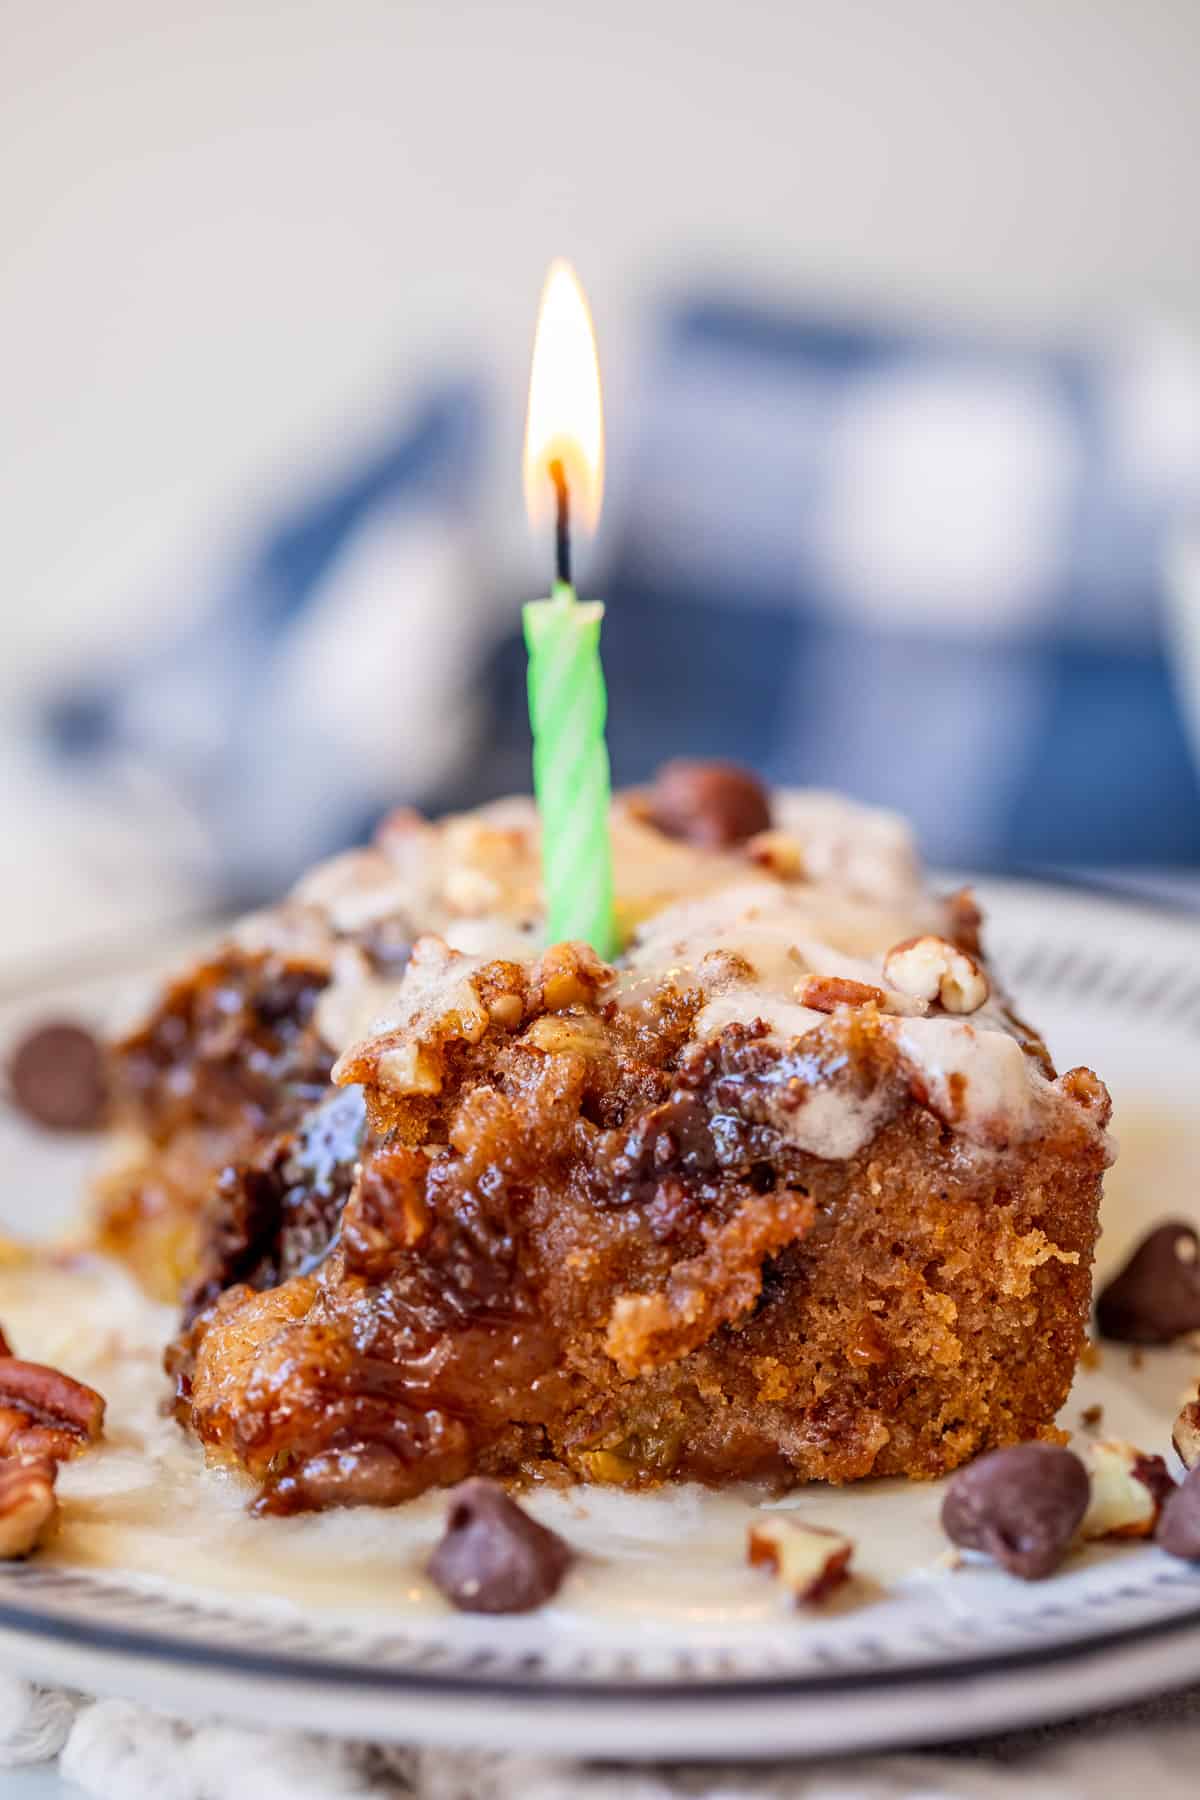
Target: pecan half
{"x": 51, "y": 1402}
{"x": 28, "y": 1503}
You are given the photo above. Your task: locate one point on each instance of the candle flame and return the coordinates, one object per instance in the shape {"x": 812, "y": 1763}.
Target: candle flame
{"x": 565, "y": 421}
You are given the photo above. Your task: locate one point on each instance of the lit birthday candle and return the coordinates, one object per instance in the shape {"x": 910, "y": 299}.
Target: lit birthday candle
{"x": 564, "y": 472}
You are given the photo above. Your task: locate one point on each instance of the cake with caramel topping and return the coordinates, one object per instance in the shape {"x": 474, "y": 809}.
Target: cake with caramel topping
{"x": 786, "y": 1191}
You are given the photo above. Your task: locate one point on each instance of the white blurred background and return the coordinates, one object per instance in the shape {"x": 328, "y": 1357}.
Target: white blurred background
{"x": 230, "y": 233}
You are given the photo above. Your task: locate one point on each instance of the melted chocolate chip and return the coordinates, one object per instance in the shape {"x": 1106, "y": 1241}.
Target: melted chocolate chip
{"x": 279, "y": 1214}
{"x": 713, "y": 805}
{"x": 494, "y": 1558}
{"x": 317, "y": 1178}
{"x": 1021, "y": 1506}
{"x": 671, "y": 1139}
{"x": 58, "y": 1077}
{"x": 1156, "y": 1297}
{"x": 1179, "y": 1527}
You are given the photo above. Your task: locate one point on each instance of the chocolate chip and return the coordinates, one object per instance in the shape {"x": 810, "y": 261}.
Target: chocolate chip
{"x": 1156, "y": 1297}
{"x": 1022, "y": 1506}
{"x": 494, "y": 1558}
{"x": 58, "y": 1077}
{"x": 1179, "y": 1527}
{"x": 711, "y": 804}
{"x": 667, "y": 1139}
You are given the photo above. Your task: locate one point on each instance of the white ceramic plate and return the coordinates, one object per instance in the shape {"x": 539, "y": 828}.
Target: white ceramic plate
{"x": 662, "y": 1643}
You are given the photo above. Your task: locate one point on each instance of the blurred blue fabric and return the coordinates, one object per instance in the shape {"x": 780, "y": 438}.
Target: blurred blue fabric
{"x": 912, "y": 563}
{"x": 940, "y": 557}
{"x": 266, "y": 749}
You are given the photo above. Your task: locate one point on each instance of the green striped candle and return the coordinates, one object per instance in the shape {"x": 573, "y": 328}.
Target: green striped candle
{"x": 568, "y": 706}
{"x": 564, "y": 456}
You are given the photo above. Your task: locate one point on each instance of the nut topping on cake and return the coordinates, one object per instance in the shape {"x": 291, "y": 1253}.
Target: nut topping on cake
{"x": 809, "y": 1560}
{"x": 825, "y": 993}
{"x": 1155, "y": 1298}
{"x": 779, "y": 853}
{"x": 447, "y": 1002}
{"x": 1129, "y": 1490}
{"x": 930, "y": 969}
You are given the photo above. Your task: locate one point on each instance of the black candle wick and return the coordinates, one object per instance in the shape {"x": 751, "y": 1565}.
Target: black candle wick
{"x": 562, "y": 525}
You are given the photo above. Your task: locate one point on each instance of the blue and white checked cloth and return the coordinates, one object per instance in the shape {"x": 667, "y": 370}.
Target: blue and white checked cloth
{"x": 922, "y": 566}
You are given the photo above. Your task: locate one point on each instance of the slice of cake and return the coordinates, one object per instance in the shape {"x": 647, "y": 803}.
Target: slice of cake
{"x": 786, "y": 1192}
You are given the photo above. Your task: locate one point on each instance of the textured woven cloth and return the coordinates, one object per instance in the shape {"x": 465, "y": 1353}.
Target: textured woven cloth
{"x": 117, "y": 1750}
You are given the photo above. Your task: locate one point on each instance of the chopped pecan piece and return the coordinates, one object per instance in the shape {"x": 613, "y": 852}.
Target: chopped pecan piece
{"x": 1083, "y": 1086}
{"x": 567, "y": 975}
{"x": 27, "y": 1503}
{"x": 965, "y": 920}
{"x": 809, "y": 1560}
{"x": 779, "y": 853}
{"x": 1129, "y": 1490}
{"x": 65, "y": 1414}
{"x": 824, "y": 993}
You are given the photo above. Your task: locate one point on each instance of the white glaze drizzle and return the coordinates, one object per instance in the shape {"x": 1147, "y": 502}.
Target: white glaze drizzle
{"x": 703, "y": 920}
